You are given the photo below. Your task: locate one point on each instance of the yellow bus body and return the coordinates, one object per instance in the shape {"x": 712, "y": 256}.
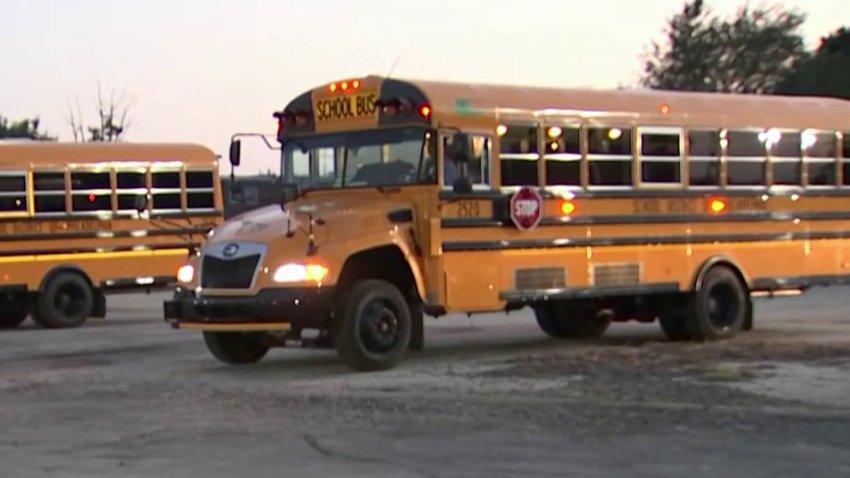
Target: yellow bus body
{"x": 645, "y": 195}
{"x": 70, "y": 209}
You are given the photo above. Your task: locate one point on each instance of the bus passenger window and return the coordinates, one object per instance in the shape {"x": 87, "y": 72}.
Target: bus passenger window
{"x": 91, "y": 191}
{"x": 13, "y": 194}
{"x": 49, "y": 192}
{"x": 610, "y": 156}
{"x": 519, "y": 155}
{"x": 846, "y": 149}
{"x": 786, "y": 150}
{"x": 704, "y": 157}
{"x": 747, "y": 163}
{"x": 661, "y": 156}
{"x": 563, "y": 156}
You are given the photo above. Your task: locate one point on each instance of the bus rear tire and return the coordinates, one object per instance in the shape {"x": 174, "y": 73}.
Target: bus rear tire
{"x": 65, "y": 301}
{"x": 236, "y": 348}
{"x": 372, "y": 326}
{"x": 13, "y": 315}
{"x": 571, "y": 320}
{"x": 718, "y": 309}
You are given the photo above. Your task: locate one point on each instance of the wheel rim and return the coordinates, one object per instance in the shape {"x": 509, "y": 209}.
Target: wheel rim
{"x": 379, "y": 327}
{"x": 723, "y": 306}
{"x": 70, "y": 301}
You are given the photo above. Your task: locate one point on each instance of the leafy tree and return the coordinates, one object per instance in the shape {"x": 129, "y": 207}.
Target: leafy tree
{"x": 681, "y": 63}
{"x": 824, "y": 73}
{"x": 751, "y": 53}
{"x": 23, "y": 129}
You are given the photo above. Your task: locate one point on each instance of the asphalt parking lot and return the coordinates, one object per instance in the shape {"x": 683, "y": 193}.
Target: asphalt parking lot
{"x": 490, "y": 396}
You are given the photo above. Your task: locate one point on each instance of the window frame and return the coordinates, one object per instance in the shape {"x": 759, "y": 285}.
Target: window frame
{"x": 728, "y": 159}
{"x": 530, "y": 157}
{"x": 91, "y": 168}
{"x": 564, "y": 157}
{"x": 680, "y": 159}
{"x": 599, "y": 157}
{"x": 18, "y": 173}
{"x": 486, "y": 161}
{"x": 836, "y": 164}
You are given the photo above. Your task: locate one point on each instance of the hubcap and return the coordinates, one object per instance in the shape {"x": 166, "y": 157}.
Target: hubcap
{"x": 379, "y": 327}
{"x": 70, "y": 300}
{"x": 723, "y": 306}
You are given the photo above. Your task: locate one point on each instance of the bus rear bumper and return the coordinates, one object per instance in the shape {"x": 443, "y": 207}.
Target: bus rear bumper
{"x": 268, "y": 310}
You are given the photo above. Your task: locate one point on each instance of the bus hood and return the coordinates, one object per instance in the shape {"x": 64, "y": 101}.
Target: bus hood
{"x": 335, "y": 219}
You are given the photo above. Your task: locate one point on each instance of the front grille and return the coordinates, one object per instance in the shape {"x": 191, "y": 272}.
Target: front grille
{"x": 217, "y": 273}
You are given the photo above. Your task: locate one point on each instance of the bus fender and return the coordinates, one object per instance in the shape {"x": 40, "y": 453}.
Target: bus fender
{"x": 720, "y": 260}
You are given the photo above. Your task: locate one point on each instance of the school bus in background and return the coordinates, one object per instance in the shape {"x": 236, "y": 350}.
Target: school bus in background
{"x": 411, "y": 198}
{"x": 80, "y": 220}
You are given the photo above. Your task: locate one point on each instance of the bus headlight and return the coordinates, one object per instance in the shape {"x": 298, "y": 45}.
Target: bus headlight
{"x": 186, "y": 273}
{"x": 300, "y": 273}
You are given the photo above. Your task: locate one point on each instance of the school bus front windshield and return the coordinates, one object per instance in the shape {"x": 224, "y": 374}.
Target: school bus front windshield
{"x": 385, "y": 157}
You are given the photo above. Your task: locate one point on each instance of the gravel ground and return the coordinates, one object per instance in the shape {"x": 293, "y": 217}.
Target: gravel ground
{"x": 490, "y": 396}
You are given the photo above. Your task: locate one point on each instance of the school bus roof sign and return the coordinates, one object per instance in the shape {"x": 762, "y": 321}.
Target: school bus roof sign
{"x": 526, "y": 208}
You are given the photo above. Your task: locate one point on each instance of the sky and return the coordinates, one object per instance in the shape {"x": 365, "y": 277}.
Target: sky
{"x": 200, "y": 70}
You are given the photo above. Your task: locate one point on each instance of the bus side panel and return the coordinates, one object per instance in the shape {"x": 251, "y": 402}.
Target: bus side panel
{"x": 472, "y": 280}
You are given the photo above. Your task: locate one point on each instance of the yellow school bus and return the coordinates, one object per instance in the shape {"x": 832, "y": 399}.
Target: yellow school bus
{"x": 81, "y": 220}
{"x": 411, "y": 198}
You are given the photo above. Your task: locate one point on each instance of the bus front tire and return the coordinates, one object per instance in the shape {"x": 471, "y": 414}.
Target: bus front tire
{"x": 719, "y": 308}
{"x": 66, "y": 301}
{"x": 372, "y": 326}
{"x": 236, "y": 348}
{"x": 14, "y": 315}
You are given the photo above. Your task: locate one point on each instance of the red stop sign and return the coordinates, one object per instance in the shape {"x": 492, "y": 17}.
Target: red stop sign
{"x": 526, "y": 208}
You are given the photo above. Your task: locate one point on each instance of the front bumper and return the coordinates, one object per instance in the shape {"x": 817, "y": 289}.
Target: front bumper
{"x": 270, "y": 309}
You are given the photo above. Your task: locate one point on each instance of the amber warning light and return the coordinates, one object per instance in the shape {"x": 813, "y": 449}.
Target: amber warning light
{"x": 716, "y": 205}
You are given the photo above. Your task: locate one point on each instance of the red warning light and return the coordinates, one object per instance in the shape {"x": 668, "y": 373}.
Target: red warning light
{"x": 355, "y": 84}
{"x": 344, "y": 85}
{"x": 425, "y": 111}
{"x": 332, "y": 87}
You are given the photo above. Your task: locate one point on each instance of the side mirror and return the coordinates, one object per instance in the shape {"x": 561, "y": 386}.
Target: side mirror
{"x": 460, "y": 149}
{"x": 235, "y": 152}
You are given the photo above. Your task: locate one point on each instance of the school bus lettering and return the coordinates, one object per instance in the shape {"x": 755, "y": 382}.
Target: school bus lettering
{"x": 664, "y": 206}
{"x": 346, "y": 107}
{"x": 748, "y": 204}
{"x": 646, "y": 206}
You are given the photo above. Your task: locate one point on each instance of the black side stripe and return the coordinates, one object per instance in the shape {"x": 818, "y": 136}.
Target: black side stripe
{"x": 45, "y": 236}
{"x": 453, "y": 246}
{"x": 766, "y": 216}
{"x": 85, "y": 250}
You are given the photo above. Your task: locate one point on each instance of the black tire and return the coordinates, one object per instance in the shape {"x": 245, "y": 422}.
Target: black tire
{"x": 718, "y": 309}
{"x": 372, "y": 326}
{"x": 674, "y": 325}
{"x": 13, "y": 315}
{"x": 236, "y": 348}
{"x": 568, "y": 320}
{"x": 65, "y": 301}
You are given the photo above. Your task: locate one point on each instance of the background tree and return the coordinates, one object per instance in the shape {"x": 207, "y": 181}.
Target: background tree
{"x": 113, "y": 120}
{"x": 826, "y": 72}
{"x": 682, "y": 63}
{"x": 22, "y": 129}
{"x": 750, "y": 53}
